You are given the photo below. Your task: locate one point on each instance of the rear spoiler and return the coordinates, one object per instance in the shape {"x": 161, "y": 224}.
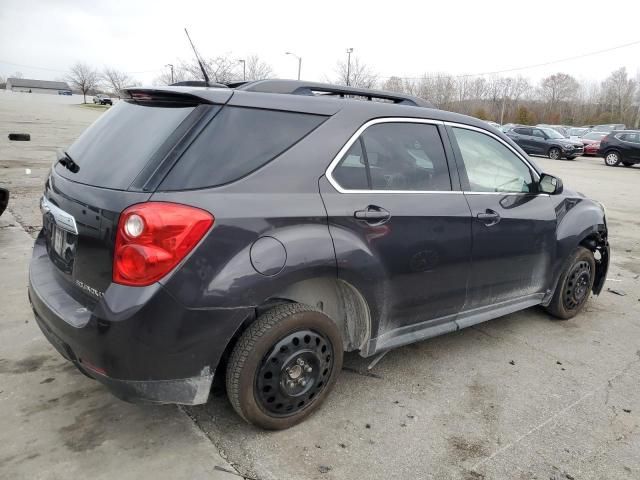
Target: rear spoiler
{"x": 177, "y": 96}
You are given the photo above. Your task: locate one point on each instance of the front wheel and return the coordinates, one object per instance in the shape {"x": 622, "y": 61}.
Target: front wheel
{"x": 612, "y": 159}
{"x": 284, "y": 365}
{"x": 574, "y": 286}
{"x": 555, "y": 153}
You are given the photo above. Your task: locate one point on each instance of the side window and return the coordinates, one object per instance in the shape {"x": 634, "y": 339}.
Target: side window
{"x": 351, "y": 172}
{"x": 490, "y": 165}
{"x": 406, "y": 156}
{"x": 523, "y": 131}
{"x": 538, "y": 133}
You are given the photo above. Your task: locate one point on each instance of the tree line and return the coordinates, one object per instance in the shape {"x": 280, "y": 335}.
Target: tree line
{"x": 556, "y": 99}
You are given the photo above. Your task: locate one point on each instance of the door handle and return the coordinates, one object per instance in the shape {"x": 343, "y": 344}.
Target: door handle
{"x": 489, "y": 217}
{"x": 372, "y": 214}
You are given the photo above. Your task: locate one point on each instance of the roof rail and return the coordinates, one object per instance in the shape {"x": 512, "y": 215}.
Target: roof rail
{"x": 299, "y": 87}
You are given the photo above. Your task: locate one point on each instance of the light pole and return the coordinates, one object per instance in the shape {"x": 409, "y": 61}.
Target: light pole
{"x": 170, "y": 65}
{"x": 244, "y": 70}
{"x": 299, "y": 62}
{"x": 349, "y": 51}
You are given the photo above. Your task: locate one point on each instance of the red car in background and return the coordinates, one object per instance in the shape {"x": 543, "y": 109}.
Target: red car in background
{"x": 591, "y": 142}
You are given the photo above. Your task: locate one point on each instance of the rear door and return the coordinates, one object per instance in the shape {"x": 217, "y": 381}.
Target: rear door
{"x": 401, "y": 230}
{"x": 522, "y": 136}
{"x": 513, "y": 225}
{"x": 538, "y": 141}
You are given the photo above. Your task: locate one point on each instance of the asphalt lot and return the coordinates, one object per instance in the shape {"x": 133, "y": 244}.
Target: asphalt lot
{"x": 520, "y": 397}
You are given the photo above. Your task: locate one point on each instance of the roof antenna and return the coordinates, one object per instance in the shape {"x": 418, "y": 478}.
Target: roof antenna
{"x": 204, "y": 72}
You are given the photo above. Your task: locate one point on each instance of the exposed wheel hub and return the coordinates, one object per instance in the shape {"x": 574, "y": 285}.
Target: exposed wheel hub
{"x": 294, "y": 372}
{"x": 577, "y": 285}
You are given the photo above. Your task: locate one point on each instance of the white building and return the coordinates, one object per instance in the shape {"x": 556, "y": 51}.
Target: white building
{"x": 36, "y": 86}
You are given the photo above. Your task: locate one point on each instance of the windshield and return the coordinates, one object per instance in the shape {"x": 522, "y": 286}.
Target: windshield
{"x": 594, "y": 136}
{"x": 551, "y": 133}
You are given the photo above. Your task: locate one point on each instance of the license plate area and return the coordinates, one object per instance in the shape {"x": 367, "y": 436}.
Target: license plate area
{"x": 61, "y": 244}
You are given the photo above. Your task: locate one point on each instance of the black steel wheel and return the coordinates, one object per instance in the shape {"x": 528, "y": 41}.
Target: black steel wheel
{"x": 294, "y": 372}
{"x": 284, "y": 365}
{"x": 574, "y": 285}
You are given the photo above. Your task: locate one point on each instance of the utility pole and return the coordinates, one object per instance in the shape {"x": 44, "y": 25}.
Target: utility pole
{"x": 170, "y": 65}
{"x": 299, "y": 61}
{"x": 244, "y": 70}
{"x": 349, "y": 51}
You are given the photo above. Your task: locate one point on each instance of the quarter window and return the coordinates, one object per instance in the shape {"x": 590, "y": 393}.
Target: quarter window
{"x": 490, "y": 166}
{"x": 396, "y": 156}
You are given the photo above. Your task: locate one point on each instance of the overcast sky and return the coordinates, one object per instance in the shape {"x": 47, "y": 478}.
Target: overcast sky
{"x": 393, "y": 37}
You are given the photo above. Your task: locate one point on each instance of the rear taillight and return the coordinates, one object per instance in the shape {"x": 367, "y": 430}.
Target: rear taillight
{"x": 153, "y": 237}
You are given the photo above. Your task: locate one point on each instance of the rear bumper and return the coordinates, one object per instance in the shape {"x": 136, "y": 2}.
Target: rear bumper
{"x": 139, "y": 342}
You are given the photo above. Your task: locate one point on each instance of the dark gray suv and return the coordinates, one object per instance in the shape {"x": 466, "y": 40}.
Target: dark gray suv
{"x": 256, "y": 233}
{"x": 546, "y": 141}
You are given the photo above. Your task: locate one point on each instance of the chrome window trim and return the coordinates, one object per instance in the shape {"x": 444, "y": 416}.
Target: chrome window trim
{"x": 356, "y": 136}
{"x": 376, "y": 121}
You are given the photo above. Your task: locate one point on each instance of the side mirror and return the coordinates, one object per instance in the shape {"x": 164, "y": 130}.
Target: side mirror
{"x": 550, "y": 184}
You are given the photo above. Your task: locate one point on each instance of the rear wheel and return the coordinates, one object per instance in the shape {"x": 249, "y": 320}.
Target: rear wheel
{"x": 554, "y": 153}
{"x": 284, "y": 366}
{"x": 612, "y": 159}
{"x": 574, "y": 286}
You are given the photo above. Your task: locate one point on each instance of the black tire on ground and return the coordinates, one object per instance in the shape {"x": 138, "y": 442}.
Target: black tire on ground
{"x": 271, "y": 348}
{"x": 554, "y": 153}
{"x": 612, "y": 159}
{"x": 628, "y": 164}
{"x": 20, "y": 137}
{"x": 575, "y": 284}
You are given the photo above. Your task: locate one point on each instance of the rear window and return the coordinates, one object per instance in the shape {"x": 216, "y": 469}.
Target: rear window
{"x": 235, "y": 143}
{"x": 115, "y": 148}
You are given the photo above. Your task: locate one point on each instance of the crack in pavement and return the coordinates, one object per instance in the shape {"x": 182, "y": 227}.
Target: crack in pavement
{"x": 556, "y": 415}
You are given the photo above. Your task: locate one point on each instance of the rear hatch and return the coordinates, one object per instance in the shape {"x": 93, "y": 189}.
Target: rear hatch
{"x": 110, "y": 167}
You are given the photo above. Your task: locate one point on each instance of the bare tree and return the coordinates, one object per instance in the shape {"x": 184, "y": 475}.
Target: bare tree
{"x": 222, "y": 69}
{"x": 394, "y": 84}
{"x": 180, "y": 74}
{"x": 359, "y": 74}
{"x": 116, "y": 80}
{"x": 619, "y": 91}
{"x": 257, "y": 69}
{"x": 83, "y": 77}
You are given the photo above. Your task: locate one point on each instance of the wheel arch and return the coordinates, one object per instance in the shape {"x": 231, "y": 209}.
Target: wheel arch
{"x": 582, "y": 224}
{"x": 339, "y": 300}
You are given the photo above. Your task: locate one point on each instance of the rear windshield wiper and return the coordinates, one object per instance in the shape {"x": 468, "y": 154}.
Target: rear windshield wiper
{"x": 67, "y": 162}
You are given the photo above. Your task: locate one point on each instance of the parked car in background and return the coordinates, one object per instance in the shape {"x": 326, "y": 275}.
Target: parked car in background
{"x": 545, "y": 141}
{"x": 610, "y": 127}
{"x": 591, "y": 142}
{"x": 64, "y": 92}
{"x": 621, "y": 148}
{"x": 508, "y": 126}
{"x": 102, "y": 99}
{"x": 493, "y": 124}
{"x": 561, "y": 129}
{"x": 577, "y": 132}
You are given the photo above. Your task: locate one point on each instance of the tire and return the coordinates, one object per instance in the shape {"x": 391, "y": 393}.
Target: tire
{"x": 266, "y": 383}
{"x": 574, "y": 286}
{"x": 628, "y": 164}
{"x": 554, "y": 153}
{"x": 612, "y": 159}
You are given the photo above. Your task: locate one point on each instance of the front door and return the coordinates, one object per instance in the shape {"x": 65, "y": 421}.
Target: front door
{"x": 402, "y": 235}
{"x": 513, "y": 225}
